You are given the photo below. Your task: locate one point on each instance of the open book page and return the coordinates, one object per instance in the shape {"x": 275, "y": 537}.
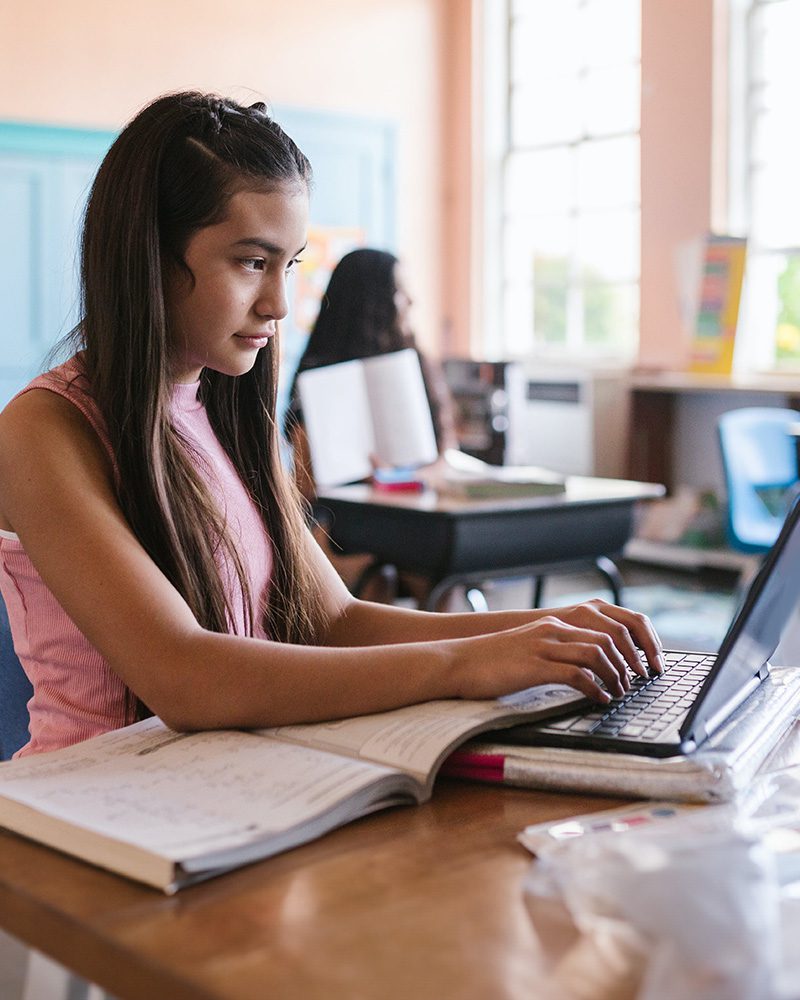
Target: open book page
{"x": 188, "y": 795}
{"x": 401, "y": 413}
{"x": 415, "y": 739}
{"x": 338, "y": 422}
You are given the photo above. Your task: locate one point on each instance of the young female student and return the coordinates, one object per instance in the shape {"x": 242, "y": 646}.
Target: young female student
{"x": 154, "y": 556}
{"x": 365, "y": 312}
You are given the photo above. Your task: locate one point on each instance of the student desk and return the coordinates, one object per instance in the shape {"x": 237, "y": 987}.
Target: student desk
{"x": 453, "y": 541}
{"x": 417, "y": 901}
{"x": 420, "y": 901}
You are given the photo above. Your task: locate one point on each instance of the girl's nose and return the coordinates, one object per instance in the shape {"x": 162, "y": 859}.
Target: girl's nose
{"x": 272, "y": 302}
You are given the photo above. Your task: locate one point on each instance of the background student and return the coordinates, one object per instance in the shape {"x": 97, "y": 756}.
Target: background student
{"x": 365, "y": 312}
{"x": 154, "y": 552}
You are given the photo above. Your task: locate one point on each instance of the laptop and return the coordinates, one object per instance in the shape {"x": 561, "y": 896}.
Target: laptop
{"x": 676, "y": 712}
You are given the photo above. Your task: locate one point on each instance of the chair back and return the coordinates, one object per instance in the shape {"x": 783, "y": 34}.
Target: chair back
{"x": 15, "y": 692}
{"x": 759, "y": 459}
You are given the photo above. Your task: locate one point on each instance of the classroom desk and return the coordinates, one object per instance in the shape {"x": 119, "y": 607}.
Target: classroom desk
{"x": 464, "y": 542}
{"x": 417, "y": 901}
{"x": 420, "y": 901}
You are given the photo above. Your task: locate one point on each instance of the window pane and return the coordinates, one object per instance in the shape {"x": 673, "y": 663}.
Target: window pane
{"x": 549, "y": 236}
{"x": 610, "y": 32}
{"x": 546, "y": 112}
{"x": 775, "y": 29}
{"x": 543, "y": 39}
{"x": 611, "y": 315}
{"x": 775, "y": 205}
{"x": 610, "y": 101}
{"x": 551, "y": 285}
{"x": 538, "y": 183}
{"x": 608, "y": 173}
{"x": 608, "y": 245}
{"x": 518, "y": 318}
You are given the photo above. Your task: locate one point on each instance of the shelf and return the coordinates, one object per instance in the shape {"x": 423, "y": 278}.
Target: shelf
{"x": 687, "y": 557}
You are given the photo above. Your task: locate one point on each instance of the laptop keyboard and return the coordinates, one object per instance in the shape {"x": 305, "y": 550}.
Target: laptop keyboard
{"x": 651, "y": 707}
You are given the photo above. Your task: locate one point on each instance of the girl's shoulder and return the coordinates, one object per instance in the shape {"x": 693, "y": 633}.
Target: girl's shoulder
{"x": 68, "y": 390}
{"x": 68, "y": 380}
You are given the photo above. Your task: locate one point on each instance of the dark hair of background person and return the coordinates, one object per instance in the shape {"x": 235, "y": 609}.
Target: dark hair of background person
{"x": 172, "y": 171}
{"x": 358, "y": 319}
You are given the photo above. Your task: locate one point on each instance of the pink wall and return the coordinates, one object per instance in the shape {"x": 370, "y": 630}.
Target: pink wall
{"x": 92, "y": 63}
{"x": 677, "y": 45}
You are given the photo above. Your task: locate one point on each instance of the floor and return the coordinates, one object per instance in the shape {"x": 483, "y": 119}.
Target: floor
{"x": 642, "y": 581}
{"x": 13, "y": 959}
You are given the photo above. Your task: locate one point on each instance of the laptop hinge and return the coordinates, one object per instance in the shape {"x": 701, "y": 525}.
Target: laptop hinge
{"x": 730, "y": 706}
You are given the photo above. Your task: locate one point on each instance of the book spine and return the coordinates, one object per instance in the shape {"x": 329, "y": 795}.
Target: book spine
{"x": 476, "y": 766}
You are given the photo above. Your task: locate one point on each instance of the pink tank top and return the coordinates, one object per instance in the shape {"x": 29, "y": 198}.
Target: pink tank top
{"x": 76, "y": 694}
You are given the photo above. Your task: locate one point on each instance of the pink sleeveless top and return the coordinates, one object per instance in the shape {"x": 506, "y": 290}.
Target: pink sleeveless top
{"x": 76, "y": 694}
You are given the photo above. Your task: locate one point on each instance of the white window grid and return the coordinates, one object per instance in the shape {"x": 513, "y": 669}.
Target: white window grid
{"x": 566, "y": 213}
{"x": 763, "y": 166}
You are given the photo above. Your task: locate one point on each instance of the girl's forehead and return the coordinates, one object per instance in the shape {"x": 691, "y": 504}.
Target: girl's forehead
{"x": 278, "y": 215}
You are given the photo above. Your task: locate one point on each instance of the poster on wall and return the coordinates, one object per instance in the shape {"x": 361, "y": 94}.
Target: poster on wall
{"x": 325, "y": 248}
{"x": 718, "y": 309}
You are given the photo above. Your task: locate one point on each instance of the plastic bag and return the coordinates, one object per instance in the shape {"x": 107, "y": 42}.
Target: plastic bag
{"x": 687, "y": 909}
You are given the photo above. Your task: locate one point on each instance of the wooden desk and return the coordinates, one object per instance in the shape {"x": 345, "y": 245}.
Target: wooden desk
{"x": 454, "y": 541}
{"x": 422, "y": 902}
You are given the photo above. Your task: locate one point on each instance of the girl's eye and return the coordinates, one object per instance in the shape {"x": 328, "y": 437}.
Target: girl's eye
{"x": 253, "y": 263}
{"x": 293, "y": 263}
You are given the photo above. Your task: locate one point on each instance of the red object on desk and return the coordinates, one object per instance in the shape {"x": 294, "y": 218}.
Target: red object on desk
{"x": 400, "y": 486}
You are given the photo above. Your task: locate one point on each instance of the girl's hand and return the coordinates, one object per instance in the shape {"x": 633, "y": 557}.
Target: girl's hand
{"x": 629, "y": 630}
{"x": 580, "y": 646}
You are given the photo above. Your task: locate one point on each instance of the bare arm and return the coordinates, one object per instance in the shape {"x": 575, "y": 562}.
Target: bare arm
{"x": 56, "y": 492}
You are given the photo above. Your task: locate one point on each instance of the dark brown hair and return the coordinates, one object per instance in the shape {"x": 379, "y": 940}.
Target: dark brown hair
{"x": 170, "y": 172}
{"x": 358, "y": 319}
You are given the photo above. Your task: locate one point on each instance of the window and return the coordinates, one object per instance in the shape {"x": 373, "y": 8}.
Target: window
{"x": 565, "y": 171}
{"x": 765, "y": 177}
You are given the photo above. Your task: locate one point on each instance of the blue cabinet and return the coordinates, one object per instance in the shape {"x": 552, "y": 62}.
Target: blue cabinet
{"x": 45, "y": 176}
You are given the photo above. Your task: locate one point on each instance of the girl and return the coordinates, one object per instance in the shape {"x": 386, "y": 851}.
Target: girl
{"x": 365, "y": 312}
{"x": 154, "y": 554}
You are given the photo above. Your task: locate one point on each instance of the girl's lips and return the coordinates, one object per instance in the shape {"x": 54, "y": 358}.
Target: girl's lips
{"x": 256, "y": 340}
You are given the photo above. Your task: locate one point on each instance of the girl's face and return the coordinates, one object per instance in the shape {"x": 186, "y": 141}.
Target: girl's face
{"x": 240, "y": 266}
{"x": 402, "y": 301}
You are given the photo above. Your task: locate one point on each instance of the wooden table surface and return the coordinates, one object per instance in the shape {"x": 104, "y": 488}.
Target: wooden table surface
{"x": 415, "y": 902}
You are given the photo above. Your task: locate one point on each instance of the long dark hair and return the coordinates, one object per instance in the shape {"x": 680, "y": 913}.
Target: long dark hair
{"x": 171, "y": 172}
{"x": 358, "y": 318}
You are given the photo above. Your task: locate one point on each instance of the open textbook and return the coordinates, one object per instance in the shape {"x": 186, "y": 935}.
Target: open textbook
{"x": 358, "y": 413}
{"x": 171, "y": 808}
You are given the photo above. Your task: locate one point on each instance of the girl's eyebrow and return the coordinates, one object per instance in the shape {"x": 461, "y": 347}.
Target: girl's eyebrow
{"x": 266, "y": 246}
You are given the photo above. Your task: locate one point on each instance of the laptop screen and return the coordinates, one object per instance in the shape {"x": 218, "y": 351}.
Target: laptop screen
{"x": 755, "y": 632}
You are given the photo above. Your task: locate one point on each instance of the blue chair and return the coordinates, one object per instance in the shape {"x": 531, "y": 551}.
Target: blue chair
{"x": 759, "y": 459}
{"x": 15, "y": 692}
